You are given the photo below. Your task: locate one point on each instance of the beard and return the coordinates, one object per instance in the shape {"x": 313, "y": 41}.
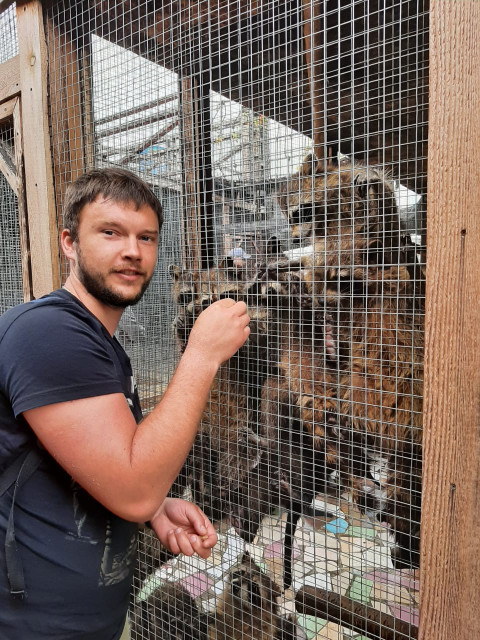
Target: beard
{"x": 95, "y": 284}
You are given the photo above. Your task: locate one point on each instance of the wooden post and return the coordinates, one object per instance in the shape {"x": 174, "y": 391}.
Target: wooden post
{"x": 37, "y": 156}
{"x": 198, "y": 199}
{"x": 205, "y": 165}
{"x": 70, "y": 91}
{"x": 190, "y": 202}
{"x": 314, "y": 54}
{"x": 450, "y": 549}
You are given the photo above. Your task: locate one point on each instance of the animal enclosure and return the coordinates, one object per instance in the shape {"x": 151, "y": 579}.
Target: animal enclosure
{"x": 288, "y": 143}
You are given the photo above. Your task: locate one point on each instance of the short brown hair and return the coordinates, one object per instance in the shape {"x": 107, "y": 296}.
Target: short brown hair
{"x": 114, "y": 184}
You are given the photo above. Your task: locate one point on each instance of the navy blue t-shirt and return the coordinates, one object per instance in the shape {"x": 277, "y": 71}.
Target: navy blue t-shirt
{"x": 77, "y": 556}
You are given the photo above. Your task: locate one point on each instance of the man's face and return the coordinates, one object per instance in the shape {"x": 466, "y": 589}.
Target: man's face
{"x": 116, "y": 251}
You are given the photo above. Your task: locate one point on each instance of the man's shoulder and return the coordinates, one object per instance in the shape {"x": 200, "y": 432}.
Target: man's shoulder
{"x": 55, "y": 299}
{"x": 44, "y": 311}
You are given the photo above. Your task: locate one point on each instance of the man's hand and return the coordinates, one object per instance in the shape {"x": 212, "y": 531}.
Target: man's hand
{"x": 220, "y": 331}
{"x": 182, "y": 527}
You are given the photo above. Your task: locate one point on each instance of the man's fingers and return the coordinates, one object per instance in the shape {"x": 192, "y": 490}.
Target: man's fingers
{"x": 183, "y": 543}
{"x": 172, "y": 542}
{"x": 241, "y": 308}
{"x": 225, "y": 302}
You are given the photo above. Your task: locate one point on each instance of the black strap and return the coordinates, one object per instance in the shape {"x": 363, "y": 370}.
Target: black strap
{"x": 17, "y": 474}
{"x": 10, "y": 474}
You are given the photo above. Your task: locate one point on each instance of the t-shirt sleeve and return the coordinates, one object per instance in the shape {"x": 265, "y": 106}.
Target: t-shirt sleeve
{"x": 52, "y": 355}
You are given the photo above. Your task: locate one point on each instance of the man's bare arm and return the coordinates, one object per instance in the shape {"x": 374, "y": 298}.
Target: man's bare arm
{"x": 129, "y": 468}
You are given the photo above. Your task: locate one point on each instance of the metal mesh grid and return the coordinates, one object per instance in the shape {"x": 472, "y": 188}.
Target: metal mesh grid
{"x": 11, "y": 289}
{"x": 8, "y": 29}
{"x": 288, "y": 144}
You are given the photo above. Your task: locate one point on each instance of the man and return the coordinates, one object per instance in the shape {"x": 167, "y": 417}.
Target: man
{"x": 94, "y": 469}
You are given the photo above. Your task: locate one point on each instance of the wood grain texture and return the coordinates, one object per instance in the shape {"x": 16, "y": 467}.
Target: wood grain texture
{"x": 361, "y": 618}
{"x": 451, "y": 506}
{"x": 9, "y": 78}
{"x": 71, "y": 109}
{"x": 37, "y": 155}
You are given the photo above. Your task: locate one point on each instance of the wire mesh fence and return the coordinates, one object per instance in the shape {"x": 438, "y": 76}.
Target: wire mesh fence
{"x": 8, "y": 29}
{"x": 287, "y": 142}
{"x": 11, "y": 289}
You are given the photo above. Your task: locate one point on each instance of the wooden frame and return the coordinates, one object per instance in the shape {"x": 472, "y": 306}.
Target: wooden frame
{"x": 9, "y": 78}
{"x": 42, "y": 223}
{"x": 71, "y": 110}
{"x": 72, "y": 129}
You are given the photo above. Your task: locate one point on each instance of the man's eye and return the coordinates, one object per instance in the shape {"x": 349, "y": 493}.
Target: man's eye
{"x": 147, "y": 238}
{"x": 108, "y": 232}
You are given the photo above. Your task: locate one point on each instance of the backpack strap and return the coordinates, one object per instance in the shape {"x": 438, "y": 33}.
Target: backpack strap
{"x": 17, "y": 474}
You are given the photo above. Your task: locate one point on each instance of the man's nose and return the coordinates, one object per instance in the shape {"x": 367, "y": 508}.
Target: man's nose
{"x": 131, "y": 248}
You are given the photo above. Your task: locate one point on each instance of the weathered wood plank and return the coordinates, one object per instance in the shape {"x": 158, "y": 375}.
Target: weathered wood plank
{"x": 190, "y": 198}
{"x": 9, "y": 78}
{"x": 69, "y": 88}
{"x": 37, "y": 155}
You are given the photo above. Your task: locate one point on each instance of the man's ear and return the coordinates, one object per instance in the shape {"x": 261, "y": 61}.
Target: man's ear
{"x": 68, "y": 245}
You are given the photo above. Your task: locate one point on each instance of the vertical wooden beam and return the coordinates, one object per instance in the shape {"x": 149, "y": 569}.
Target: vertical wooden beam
{"x": 313, "y": 26}
{"x": 205, "y": 166}
{"x": 69, "y": 90}
{"x": 190, "y": 201}
{"x": 37, "y": 156}
{"x": 199, "y": 219}
{"x": 450, "y": 549}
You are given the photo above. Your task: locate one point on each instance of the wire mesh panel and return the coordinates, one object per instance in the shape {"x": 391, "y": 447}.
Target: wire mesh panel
{"x": 287, "y": 142}
{"x": 11, "y": 287}
{"x": 11, "y": 291}
{"x": 8, "y": 29}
